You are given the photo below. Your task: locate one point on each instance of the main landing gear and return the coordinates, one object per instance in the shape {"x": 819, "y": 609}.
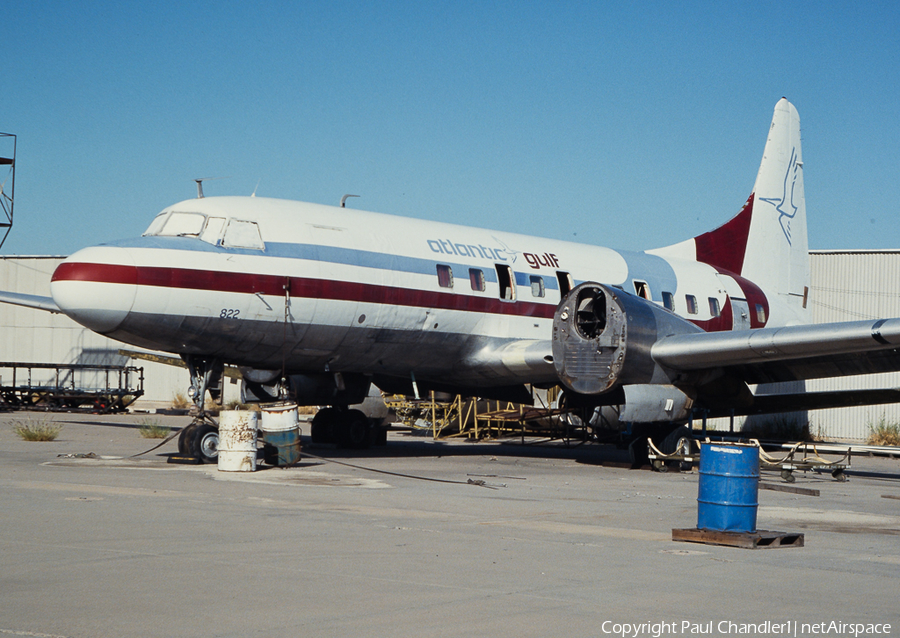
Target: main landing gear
{"x": 346, "y": 428}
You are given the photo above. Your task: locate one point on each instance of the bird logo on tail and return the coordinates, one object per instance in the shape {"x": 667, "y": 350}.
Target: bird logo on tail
{"x": 785, "y": 204}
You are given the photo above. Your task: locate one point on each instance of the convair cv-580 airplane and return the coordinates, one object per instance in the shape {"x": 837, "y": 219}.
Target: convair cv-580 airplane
{"x": 333, "y": 300}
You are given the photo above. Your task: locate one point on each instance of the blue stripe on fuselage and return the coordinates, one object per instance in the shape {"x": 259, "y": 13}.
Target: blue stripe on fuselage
{"x": 656, "y": 271}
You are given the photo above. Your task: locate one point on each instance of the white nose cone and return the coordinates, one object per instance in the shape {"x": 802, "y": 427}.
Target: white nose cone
{"x": 96, "y": 287}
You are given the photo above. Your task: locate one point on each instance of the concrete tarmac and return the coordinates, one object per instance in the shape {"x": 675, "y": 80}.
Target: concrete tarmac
{"x": 558, "y": 542}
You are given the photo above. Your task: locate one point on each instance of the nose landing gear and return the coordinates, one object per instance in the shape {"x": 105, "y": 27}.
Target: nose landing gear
{"x": 200, "y": 439}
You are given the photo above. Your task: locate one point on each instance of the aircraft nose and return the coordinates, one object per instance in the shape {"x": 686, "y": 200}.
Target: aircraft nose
{"x": 96, "y": 287}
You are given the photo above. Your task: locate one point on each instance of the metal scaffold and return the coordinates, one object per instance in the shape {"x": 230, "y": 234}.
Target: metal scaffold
{"x": 7, "y": 183}
{"x": 477, "y": 419}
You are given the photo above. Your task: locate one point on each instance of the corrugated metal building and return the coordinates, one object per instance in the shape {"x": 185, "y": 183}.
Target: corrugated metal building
{"x": 850, "y": 286}
{"x": 846, "y": 286}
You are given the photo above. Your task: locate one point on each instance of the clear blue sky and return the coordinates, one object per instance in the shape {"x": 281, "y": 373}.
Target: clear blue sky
{"x": 629, "y": 126}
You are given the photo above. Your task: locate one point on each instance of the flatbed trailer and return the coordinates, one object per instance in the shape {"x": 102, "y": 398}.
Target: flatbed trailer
{"x": 69, "y": 387}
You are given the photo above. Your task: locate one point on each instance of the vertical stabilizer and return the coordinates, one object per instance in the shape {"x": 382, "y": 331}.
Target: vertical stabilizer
{"x": 777, "y": 255}
{"x": 766, "y": 242}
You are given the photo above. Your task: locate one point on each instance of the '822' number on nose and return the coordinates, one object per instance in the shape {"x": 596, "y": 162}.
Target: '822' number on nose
{"x": 229, "y": 313}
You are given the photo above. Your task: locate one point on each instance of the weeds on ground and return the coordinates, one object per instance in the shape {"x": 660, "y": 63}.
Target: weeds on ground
{"x": 180, "y": 402}
{"x": 153, "y": 430}
{"x": 884, "y": 433}
{"x": 41, "y": 431}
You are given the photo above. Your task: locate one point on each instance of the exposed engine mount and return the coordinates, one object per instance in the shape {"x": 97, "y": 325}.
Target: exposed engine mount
{"x": 602, "y": 338}
{"x": 330, "y": 388}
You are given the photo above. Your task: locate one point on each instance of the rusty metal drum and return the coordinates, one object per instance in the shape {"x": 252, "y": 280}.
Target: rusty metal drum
{"x": 237, "y": 440}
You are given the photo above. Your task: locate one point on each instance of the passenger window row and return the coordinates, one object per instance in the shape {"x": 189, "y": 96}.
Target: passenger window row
{"x": 506, "y": 281}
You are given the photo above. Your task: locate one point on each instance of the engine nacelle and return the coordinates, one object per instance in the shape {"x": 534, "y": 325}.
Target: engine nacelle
{"x": 602, "y": 338}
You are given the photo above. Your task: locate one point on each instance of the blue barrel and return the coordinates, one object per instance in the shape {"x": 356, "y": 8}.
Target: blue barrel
{"x": 728, "y": 496}
{"x": 281, "y": 434}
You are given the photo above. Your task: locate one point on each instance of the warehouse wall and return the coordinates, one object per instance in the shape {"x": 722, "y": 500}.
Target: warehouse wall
{"x": 850, "y": 286}
{"x": 35, "y": 336}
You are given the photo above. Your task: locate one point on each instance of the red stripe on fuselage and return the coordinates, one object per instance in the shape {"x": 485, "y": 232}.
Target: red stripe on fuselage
{"x": 249, "y": 283}
{"x": 106, "y": 273}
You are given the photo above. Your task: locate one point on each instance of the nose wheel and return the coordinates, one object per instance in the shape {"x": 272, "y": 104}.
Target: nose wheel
{"x": 200, "y": 439}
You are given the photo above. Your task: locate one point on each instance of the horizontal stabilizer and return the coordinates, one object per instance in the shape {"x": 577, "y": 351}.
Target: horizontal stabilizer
{"x": 29, "y": 301}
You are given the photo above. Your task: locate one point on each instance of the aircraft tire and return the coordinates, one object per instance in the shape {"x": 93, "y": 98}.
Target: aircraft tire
{"x": 325, "y": 425}
{"x": 206, "y": 443}
{"x": 355, "y": 430}
{"x": 185, "y": 439}
{"x": 678, "y": 439}
{"x": 637, "y": 452}
{"x": 673, "y": 440}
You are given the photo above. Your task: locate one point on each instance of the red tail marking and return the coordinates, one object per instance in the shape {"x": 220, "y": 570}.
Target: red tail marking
{"x": 726, "y": 246}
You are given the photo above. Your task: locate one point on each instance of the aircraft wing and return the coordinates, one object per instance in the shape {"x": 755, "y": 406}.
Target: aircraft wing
{"x": 792, "y": 353}
{"x": 29, "y": 301}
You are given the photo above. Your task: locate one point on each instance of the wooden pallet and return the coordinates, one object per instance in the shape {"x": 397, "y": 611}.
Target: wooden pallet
{"x": 760, "y": 539}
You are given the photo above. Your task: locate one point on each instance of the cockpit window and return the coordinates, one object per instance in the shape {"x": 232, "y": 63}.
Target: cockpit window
{"x": 156, "y": 225}
{"x": 178, "y": 224}
{"x": 242, "y": 234}
{"x": 212, "y": 232}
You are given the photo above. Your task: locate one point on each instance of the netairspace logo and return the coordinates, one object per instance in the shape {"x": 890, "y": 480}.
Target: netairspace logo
{"x": 792, "y": 628}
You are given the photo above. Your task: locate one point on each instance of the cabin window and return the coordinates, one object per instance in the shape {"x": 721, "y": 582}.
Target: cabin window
{"x": 668, "y": 301}
{"x": 641, "y": 289}
{"x": 565, "y": 283}
{"x": 760, "y": 313}
{"x": 691, "y": 301}
{"x": 714, "y": 307}
{"x": 242, "y": 234}
{"x": 213, "y": 230}
{"x": 476, "y": 279}
{"x": 156, "y": 225}
{"x": 537, "y": 286}
{"x": 507, "y": 284}
{"x": 183, "y": 224}
{"x": 445, "y": 276}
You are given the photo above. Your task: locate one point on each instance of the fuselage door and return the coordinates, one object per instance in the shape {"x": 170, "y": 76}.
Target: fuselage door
{"x": 740, "y": 309}
{"x": 506, "y": 279}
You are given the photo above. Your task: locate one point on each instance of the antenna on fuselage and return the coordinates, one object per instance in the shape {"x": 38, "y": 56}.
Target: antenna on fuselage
{"x": 344, "y": 200}
{"x": 200, "y": 181}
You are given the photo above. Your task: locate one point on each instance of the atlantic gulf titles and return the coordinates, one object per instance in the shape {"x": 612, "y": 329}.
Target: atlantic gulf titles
{"x": 727, "y": 628}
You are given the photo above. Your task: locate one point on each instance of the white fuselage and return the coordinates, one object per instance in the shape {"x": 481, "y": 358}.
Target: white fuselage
{"x": 265, "y": 283}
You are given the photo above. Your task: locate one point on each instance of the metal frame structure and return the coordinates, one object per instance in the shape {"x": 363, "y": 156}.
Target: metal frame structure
{"x": 69, "y": 388}
{"x": 7, "y": 194}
